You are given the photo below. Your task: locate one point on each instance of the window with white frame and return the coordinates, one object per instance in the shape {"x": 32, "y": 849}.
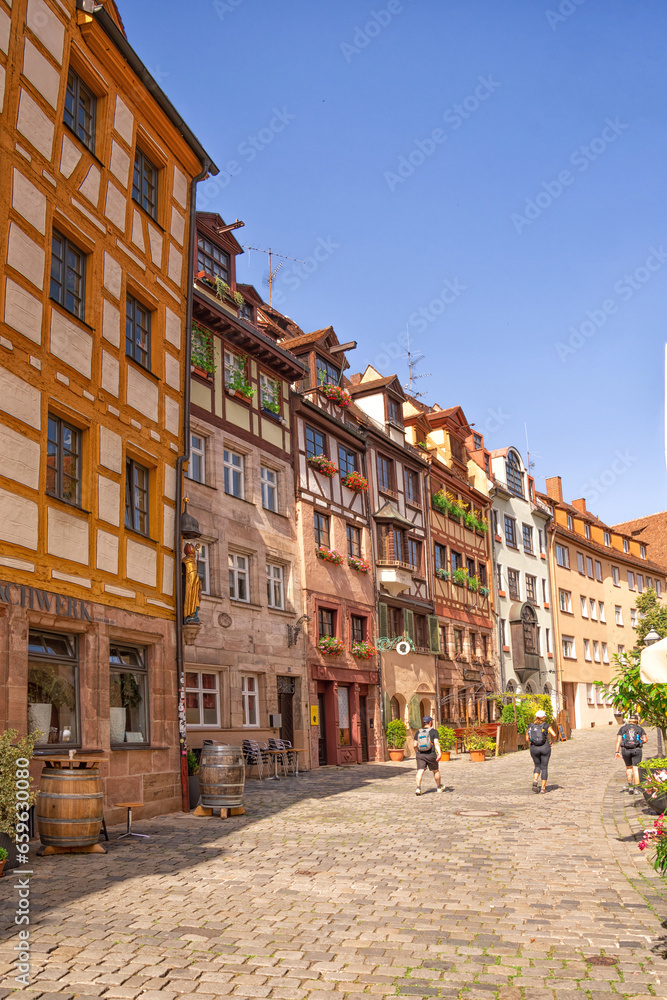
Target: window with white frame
{"x": 580, "y": 563}
{"x": 587, "y": 649}
{"x": 584, "y": 607}
{"x": 596, "y": 650}
{"x": 234, "y": 474}
{"x": 618, "y": 614}
{"x": 587, "y": 531}
{"x": 640, "y": 583}
{"x": 250, "y": 700}
{"x": 540, "y": 535}
{"x": 197, "y": 464}
{"x": 589, "y": 567}
{"x": 620, "y": 650}
{"x": 658, "y": 588}
{"x": 616, "y": 576}
{"x": 631, "y": 580}
{"x": 598, "y": 571}
{"x": 649, "y": 582}
{"x": 568, "y": 647}
{"x": 269, "y": 483}
{"x": 607, "y": 538}
{"x": 642, "y": 551}
{"x": 633, "y": 617}
{"x": 547, "y": 639}
{"x": 269, "y": 394}
{"x": 570, "y": 523}
{"x": 203, "y": 568}
{"x": 601, "y": 612}
{"x": 275, "y": 586}
{"x": 563, "y": 556}
{"x": 590, "y": 694}
{"x": 239, "y": 588}
{"x": 594, "y": 610}
{"x": 626, "y": 545}
{"x": 605, "y": 653}
{"x": 235, "y": 371}
{"x": 544, "y": 591}
{"x": 202, "y": 699}
{"x": 565, "y": 600}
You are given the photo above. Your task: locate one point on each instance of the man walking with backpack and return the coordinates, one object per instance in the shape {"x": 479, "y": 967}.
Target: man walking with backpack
{"x": 629, "y": 742}
{"x": 540, "y": 749}
{"x": 427, "y": 749}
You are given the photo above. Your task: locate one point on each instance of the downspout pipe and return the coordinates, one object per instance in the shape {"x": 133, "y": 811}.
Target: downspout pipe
{"x": 182, "y": 458}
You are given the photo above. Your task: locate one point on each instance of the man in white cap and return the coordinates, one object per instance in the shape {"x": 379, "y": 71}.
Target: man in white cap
{"x": 540, "y": 749}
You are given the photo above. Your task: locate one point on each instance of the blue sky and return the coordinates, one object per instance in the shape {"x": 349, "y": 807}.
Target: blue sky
{"x": 490, "y": 173}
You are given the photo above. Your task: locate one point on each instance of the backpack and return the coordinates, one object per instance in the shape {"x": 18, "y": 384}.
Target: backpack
{"x": 632, "y": 740}
{"x": 536, "y": 735}
{"x": 424, "y": 744}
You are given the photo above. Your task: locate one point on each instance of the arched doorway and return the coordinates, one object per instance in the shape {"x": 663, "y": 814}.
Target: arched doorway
{"x": 395, "y": 709}
{"x": 424, "y": 708}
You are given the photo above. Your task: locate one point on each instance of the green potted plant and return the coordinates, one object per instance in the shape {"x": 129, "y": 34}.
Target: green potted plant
{"x": 396, "y": 733}
{"x": 46, "y": 690}
{"x": 460, "y": 577}
{"x": 193, "y": 778}
{"x": 447, "y": 740}
{"x": 4, "y": 854}
{"x": 477, "y": 745}
{"x": 13, "y": 750}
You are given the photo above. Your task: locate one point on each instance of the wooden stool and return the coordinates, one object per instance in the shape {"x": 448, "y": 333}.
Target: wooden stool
{"x": 130, "y": 806}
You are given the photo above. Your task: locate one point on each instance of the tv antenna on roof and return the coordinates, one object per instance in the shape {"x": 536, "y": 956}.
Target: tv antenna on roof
{"x": 272, "y": 272}
{"x": 413, "y": 361}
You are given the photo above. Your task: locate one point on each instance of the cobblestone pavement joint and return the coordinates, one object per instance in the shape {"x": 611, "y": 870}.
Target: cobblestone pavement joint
{"x": 342, "y": 884}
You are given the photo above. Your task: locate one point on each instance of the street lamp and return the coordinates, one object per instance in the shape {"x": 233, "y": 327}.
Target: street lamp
{"x": 649, "y": 639}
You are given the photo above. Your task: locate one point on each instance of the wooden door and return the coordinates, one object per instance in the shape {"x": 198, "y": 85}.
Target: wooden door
{"x": 363, "y": 722}
{"x": 322, "y": 732}
{"x": 286, "y": 709}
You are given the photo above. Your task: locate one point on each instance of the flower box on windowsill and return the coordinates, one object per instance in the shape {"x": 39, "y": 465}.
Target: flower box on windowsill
{"x": 195, "y": 370}
{"x": 330, "y": 645}
{"x": 355, "y": 482}
{"x": 272, "y": 415}
{"x": 323, "y": 465}
{"x": 329, "y": 555}
{"x": 363, "y": 650}
{"x": 357, "y": 564}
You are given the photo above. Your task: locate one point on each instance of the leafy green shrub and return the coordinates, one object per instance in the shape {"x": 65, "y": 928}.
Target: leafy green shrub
{"x": 396, "y": 734}
{"x": 446, "y": 737}
{"x": 12, "y": 749}
{"x": 193, "y": 763}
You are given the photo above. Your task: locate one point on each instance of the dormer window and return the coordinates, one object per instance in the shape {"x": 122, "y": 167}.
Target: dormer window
{"x": 457, "y": 449}
{"x": 477, "y": 441}
{"x": 211, "y": 259}
{"x": 326, "y": 373}
{"x": 247, "y": 312}
{"x": 514, "y": 474}
{"x": 394, "y": 414}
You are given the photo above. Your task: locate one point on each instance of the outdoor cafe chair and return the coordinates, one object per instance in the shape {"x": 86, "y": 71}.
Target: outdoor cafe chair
{"x": 253, "y": 755}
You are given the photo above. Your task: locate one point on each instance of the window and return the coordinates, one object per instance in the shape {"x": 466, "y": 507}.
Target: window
{"x": 315, "y": 442}
{"x": 79, "y": 113}
{"x": 385, "y": 474}
{"x": 514, "y": 474}
{"x": 531, "y": 588}
{"x": 481, "y": 573}
{"x": 247, "y": 311}
{"x": 601, "y": 612}
{"x": 234, "y": 473}
{"x": 357, "y": 628}
{"x": 589, "y": 567}
{"x": 545, "y": 597}
{"x": 457, "y": 560}
{"x": 202, "y": 705}
{"x": 616, "y": 576}
{"x": 197, "y": 463}
{"x": 421, "y": 632}
{"x": 137, "y": 332}
{"x": 269, "y": 394}
{"x": 144, "y": 183}
{"x": 269, "y": 487}
{"x": 322, "y": 529}
{"x": 620, "y": 650}
{"x": 203, "y": 568}
{"x": 607, "y": 538}
{"x": 563, "y": 556}
{"x": 326, "y": 620}
{"x": 590, "y": 694}
{"x": 411, "y": 486}
{"x": 513, "y": 584}
{"x": 250, "y": 700}
{"x": 347, "y": 460}
{"x": 598, "y": 571}
{"x": 499, "y": 576}
{"x": 618, "y": 612}
{"x": 211, "y": 259}
{"x": 565, "y": 600}
{"x": 395, "y": 621}
{"x": 527, "y": 539}
{"x": 649, "y": 583}
{"x": 596, "y": 651}
{"x": 458, "y": 640}
{"x": 63, "y": 461}
{"x": 569, "y": 647}
{"x": 477, "y": 441}
{"x": 236, "y": 373}
{"x": 547, "y": 639}
{"x": 587, "y": 649}
{"x": 470, "y": 566}
{"x": 594, "y": 610}
{"x": 494, "y": 521}
{"x": 394, "y": 412}
{"x": 239, "y": 589}
{"x": 587, "y": 531}
{"x": 395, "y": 709}
{"x": 487, "y": 463}
{"x": 626, "y": 545}
{"x": 631, "y": 580}
{"x": 128, "y": 695}
{"x": 275, "y": 591}
{"x": 344, "y": 715}
{"x": 642, "y": 551}
{"x": 326, "y": 372}
{"x": 658, "y": 588}
{"x": 640, "y": 583}
{"x": 540, "y": 535}
{"x": 502, "y": 630}
{"x": 440, "y": 556}
{"x": 633, "y": 617}
{"x": 584, "y": 607}
{"x": 510, "y": 531}
{"x": 605, "y": 653}
{"x": 68, "y": 275}
{"x": 136, "y": 496}
{"x": 353, "y": 541}
{"x": 399, "y": 544}
{"x": 53, "y": 682}
{"x": 570, "y": 523}
{"x": 580, "y": 563}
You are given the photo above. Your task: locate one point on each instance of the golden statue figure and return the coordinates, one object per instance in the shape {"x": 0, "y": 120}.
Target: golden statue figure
{"x": 192, "y": 590}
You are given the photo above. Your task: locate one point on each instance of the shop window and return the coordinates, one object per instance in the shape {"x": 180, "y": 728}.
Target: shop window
{"x": 202, "y": 699}
{"x": 128, "y": 695}
{"x": 344, "y": 715}
{"x": 53, "y": 696}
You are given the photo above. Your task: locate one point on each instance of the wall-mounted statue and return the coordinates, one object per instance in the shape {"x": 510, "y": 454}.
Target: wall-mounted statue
{"x": 192, "y": 588}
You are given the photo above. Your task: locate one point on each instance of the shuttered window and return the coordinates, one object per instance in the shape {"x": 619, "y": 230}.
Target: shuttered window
{"x": 433, "y": 634}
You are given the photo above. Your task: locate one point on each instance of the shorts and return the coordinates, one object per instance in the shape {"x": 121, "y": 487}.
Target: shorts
{"x": 631, "y": 757}
{"x": 429, "y": 761}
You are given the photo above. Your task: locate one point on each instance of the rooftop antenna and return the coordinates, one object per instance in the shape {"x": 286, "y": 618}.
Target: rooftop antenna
{"x": 413, "y": 361}
{"x": 270, "y": 275}
{"x": 529, "y": 465}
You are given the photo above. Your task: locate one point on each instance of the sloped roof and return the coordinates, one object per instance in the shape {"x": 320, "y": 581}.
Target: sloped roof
{"x": 389, "y": 512}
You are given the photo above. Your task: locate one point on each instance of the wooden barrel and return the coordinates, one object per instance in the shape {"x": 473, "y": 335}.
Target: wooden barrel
{"x": 70, "y": 807}
{"x": 221, "y": 775}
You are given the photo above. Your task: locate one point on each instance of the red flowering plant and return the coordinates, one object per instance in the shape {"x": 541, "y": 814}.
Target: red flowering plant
{"x": 330, "y": 645}
{"x": 363, "y": 650}
{"x": 329, "y": 555}
{"x": 360, "y": 565}
{"x": 323, "y": 465}
{"x": 336, "y": 394}
{"x": 656, "y": 838}
{"x": 355, "y": 482}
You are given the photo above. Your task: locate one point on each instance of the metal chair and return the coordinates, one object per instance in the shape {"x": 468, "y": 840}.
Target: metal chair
{"x": 252, "y": 754}
{"x": 275, "y": 744}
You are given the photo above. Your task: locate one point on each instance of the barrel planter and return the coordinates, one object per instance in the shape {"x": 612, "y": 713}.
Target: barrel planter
{"x": 70, "y": 807}
{"x": 221, "y": 775}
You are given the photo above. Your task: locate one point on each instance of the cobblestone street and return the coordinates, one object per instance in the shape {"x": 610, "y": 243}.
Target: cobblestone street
{"x": 342, "y": 884}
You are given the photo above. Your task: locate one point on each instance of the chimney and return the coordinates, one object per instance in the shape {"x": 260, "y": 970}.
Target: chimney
{"x": 555, "y": 488}
{"x": 580, "y": 505}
